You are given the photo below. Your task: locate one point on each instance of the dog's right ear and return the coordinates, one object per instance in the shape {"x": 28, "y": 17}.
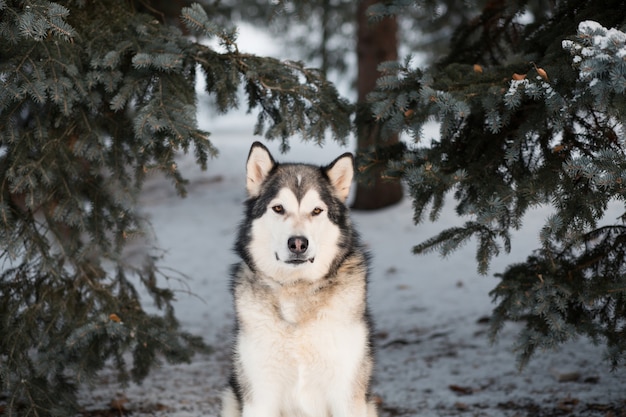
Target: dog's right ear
{"x": 340, "y": 173}
{"x": 259, "y": 165}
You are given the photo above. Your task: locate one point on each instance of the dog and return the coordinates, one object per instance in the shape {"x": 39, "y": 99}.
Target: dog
{"x": 302, "y": 343}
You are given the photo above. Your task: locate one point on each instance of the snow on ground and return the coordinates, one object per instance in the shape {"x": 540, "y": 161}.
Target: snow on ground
{"x": 434, "y": 357}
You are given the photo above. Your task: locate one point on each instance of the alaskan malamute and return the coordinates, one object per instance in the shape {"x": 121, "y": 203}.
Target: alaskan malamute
{"x": 302, "y": 344}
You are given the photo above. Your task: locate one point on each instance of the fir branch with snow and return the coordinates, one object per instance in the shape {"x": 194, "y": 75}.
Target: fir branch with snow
{"x": 533, "y": 127}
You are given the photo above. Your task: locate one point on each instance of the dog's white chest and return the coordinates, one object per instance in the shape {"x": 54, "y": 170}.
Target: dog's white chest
{"x": 304, "y": 348}
{"x": 308, "y": 364}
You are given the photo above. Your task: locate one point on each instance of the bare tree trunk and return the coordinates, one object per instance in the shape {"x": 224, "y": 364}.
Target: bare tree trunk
{"x": 376, "y": 42}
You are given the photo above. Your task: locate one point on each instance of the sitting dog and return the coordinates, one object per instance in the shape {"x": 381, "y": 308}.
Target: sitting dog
{"x": 302, "y": 342}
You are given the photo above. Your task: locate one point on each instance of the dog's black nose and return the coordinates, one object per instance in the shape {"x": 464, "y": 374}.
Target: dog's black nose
{"x": 298, "y": 244}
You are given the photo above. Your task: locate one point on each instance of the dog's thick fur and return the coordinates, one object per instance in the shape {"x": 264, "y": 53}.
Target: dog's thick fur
{"x": 302, "y": 344}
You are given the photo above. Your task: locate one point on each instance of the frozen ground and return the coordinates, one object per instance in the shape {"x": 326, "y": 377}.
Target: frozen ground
{"x": 434, "y": 358}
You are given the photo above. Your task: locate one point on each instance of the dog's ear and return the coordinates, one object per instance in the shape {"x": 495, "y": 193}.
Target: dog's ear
{"x": 260, "y": 163}
{"x": 340, "y": 173}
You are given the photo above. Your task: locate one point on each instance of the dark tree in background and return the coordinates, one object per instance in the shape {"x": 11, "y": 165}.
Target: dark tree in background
{"x": 93, "y": 97}
{"x": 531, "y": 105}
{"x": 377, "y": 42}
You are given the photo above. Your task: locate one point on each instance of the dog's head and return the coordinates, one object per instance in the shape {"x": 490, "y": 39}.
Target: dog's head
{"x": 296, "y": 226}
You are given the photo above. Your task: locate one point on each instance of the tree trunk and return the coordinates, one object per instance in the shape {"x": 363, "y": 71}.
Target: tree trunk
{"x": 376, "y": 42}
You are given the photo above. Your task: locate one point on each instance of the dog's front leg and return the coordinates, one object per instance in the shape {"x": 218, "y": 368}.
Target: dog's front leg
{"x": 260, "y": 373}
{"x": 351, "y": 362}
{"x": 263, "y": 396}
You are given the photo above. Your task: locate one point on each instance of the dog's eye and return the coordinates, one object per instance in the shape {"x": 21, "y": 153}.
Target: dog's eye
{"x": 278, "y": 209}
{"x": 316, "y": 211}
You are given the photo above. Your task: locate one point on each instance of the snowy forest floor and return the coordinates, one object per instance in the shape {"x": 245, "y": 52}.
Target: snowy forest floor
{"x": 433, "y": 354}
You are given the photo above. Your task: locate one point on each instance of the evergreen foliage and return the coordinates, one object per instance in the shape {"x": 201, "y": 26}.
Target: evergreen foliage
{"x": 532, "y": 112}
{"x": 320, "y": 32}
{"x": 323, "y": 32}
{"x": 93, "y": 97}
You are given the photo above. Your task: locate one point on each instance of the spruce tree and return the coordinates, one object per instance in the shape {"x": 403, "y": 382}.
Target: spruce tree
{"x": 532, "y": 112}
{"x": 93, "y": 97}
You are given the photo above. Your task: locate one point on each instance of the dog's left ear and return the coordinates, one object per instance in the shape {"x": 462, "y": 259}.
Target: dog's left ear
{"x": 340, "y": 173}
{"x": 259, "y": 165}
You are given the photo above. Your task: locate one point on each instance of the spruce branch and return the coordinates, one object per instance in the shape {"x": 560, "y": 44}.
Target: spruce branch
{"x": 529, "y": 115}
